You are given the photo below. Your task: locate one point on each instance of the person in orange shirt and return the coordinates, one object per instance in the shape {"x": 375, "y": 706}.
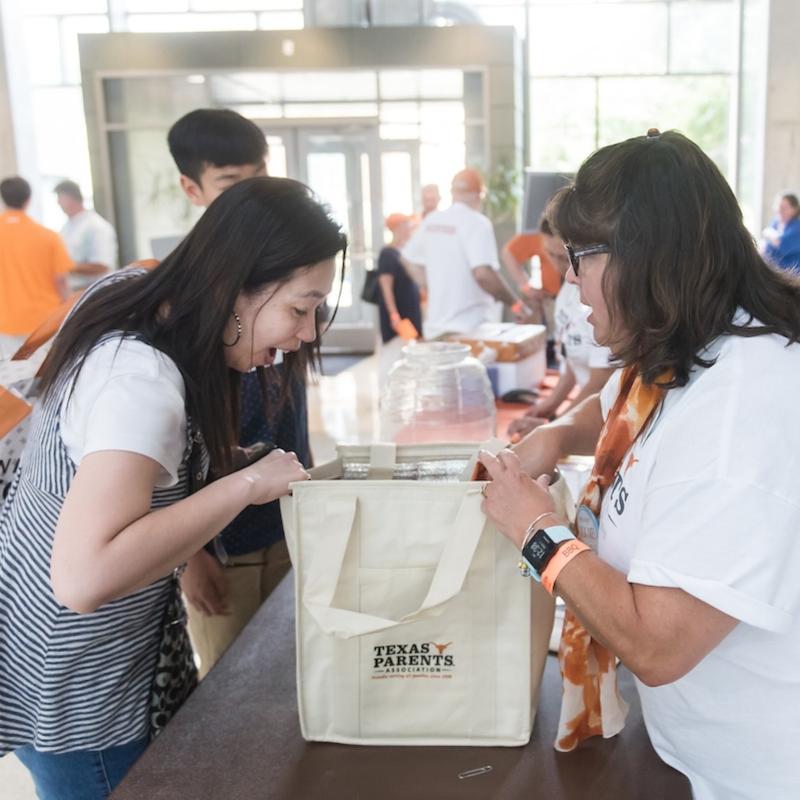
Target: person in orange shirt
{"x": 522, "y": 248}
{"x": 33, "y": 266}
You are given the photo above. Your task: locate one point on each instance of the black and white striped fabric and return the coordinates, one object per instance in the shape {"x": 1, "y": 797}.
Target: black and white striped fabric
{"x": 68, "y": 681}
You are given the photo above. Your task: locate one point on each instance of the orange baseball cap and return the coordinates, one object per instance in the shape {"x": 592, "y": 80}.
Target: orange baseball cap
{"x": 394, "y": 221}
{"x": 468, "y": 180}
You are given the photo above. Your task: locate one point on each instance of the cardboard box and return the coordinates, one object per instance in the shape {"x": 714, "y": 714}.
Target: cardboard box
{"x": 511, "y": 342}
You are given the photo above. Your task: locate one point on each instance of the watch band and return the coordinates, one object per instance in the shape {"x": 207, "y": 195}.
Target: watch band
{"x": 562, "y": 557}
{"x": 557, "y": 534}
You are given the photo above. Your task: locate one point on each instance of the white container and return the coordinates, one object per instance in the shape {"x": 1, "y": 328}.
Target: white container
{"x": 525, "y": 374}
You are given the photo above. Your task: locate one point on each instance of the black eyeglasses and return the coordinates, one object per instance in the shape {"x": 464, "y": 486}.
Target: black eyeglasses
{"x": 575, "y": 256}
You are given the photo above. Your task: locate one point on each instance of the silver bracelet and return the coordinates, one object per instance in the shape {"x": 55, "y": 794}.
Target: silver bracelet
{"x": 532, "y": 528}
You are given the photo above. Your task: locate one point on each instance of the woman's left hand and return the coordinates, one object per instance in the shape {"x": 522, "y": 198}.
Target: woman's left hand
{"x": 512, "y": 499}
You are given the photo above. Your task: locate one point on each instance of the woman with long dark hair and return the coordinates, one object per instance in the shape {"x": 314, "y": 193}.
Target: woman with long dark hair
{"x": 684, "y": 558}
{"x": 139, "y": 396}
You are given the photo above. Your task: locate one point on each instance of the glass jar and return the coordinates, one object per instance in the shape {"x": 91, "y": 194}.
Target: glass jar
{"x": 437, "y": 393}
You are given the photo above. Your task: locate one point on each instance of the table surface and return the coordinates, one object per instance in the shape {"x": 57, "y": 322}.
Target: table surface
{"x": 238, "y": 738}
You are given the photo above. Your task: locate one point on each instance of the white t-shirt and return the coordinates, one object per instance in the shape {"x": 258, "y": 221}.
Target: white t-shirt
{"x": 576, "y": 335}
{"x": 707, "y": 500}
{"x": 450, "y": 244}
{"x": 90, "y": 239}
{"x": 128, "y": 396}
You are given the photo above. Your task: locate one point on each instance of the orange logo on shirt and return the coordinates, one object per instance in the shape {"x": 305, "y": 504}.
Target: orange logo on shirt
{"x": 632, "y": 460}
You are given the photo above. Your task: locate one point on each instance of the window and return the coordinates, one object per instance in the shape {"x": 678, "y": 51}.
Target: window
{"x": 608, "y": 70}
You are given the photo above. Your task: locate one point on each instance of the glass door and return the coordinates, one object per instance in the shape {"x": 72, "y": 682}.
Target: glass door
{"x": 361, "y": 179}
{"x": 338, "y": 166}
{"x": 400, "y": 177}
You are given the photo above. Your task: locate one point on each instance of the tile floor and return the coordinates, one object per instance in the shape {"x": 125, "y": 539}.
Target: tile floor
{"x": 15, "y": 782}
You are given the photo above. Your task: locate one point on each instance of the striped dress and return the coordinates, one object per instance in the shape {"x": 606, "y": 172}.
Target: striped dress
{"x": 68, "y": 681}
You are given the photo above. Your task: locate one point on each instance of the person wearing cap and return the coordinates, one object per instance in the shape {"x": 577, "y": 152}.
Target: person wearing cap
{"x": 399, "y": 295}
{"x": 91, "y": 240}
{"x": 454, "y": 254}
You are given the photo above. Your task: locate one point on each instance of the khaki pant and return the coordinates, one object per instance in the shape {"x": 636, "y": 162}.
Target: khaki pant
{"x": 250, "y": 579}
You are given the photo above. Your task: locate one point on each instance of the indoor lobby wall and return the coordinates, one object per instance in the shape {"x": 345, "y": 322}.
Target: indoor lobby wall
{"x": 781, "y": 157}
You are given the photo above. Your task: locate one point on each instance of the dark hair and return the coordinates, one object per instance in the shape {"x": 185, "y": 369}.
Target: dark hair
{"x": 69, "y": 188}
{"x": 681, "y": 260}
{"x": 15, "y": 192}
{"x": 544, "y": 226}
{"x": 258, "y": 232}
{"x": 217, "y": 137}
{"x": 792, "y": 200}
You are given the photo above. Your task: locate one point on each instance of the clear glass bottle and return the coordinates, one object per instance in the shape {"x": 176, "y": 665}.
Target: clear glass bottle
{"x": 437, "y": 393}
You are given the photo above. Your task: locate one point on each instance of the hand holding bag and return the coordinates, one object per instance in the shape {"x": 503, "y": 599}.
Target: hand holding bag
{"x": 413, "y": 623}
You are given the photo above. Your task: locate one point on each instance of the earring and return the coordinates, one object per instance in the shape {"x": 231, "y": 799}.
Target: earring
{"x": 238, "y": 331}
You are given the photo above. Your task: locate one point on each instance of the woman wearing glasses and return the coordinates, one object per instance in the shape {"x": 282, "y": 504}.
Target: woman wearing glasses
{"x": 687, "y": 553}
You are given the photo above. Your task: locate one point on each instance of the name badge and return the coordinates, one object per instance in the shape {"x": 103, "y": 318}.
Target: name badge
{"x": 588, "y": 526}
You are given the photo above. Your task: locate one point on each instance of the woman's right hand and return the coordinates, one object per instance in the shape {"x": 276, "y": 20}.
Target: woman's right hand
{"x": 270, "y": 476}
{"x": 204, "y": 585}
{"x": 512, "y": 498}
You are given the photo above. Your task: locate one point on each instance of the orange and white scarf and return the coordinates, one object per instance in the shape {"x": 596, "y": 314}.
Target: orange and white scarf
{"x": 591, "y": 704}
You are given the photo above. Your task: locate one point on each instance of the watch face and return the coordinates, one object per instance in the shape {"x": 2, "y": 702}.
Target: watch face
{"x": 539, "y": 550}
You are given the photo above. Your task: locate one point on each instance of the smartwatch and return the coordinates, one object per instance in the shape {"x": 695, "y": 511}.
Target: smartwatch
{"x": 541, "y": 547}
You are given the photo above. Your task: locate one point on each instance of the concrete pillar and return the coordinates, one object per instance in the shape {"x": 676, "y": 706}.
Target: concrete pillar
{"x": 8, "y": 151}
{"x": 782, "y": 113}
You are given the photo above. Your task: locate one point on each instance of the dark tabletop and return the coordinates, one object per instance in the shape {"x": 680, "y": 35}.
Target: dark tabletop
{"x": 238, "y": 738}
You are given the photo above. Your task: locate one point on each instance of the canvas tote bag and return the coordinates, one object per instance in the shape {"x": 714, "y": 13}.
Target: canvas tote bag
{"x": 414, "y": 626}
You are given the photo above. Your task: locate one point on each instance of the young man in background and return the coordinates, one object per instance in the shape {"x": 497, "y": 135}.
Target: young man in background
{"x": 226, "y": 583}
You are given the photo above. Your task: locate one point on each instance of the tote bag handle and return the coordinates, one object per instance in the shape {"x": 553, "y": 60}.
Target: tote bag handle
{"x": 329, "y": 551}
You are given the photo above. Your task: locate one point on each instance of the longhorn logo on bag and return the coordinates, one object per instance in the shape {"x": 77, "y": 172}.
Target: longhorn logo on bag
{"x": 413, "y": 660}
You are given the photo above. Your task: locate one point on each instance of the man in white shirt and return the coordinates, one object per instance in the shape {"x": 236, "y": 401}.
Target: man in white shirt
{"x": 90, "y": 239}
{"x": 454, "y": 254}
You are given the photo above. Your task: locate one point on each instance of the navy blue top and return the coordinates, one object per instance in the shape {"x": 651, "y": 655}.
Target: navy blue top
{"x": 406, "y": 293}
{"x": 261, "y": 526}
{"x": 786, "y": 254}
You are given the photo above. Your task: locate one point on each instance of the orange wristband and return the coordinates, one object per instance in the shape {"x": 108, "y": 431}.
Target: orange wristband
{"x": 563, "y": 556}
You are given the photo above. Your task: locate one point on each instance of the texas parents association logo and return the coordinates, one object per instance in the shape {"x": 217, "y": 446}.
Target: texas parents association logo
{"x": 414, "y": 660}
